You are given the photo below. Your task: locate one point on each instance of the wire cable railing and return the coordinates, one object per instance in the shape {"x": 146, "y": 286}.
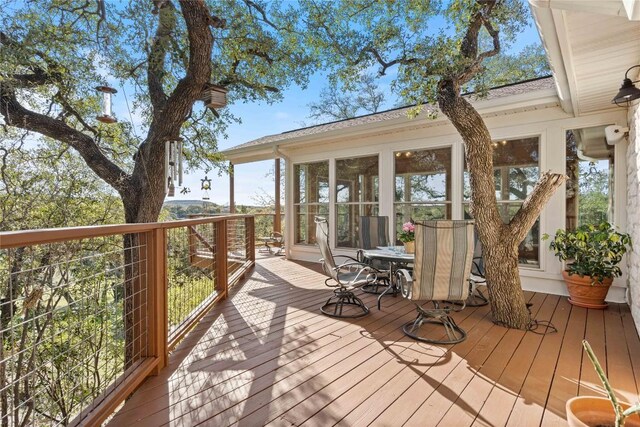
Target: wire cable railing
{"x": 86, "y": 314}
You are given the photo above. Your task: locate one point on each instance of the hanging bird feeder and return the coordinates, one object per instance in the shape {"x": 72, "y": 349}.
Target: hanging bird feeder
{"x": 107, "y": 116}
{"x": 214, "y": 96}
{"x": 172, "y": 166}
{"x": 205, "y": 187}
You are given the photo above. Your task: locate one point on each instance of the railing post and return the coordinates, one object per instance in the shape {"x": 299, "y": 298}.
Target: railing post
{"x": 157, "y": 320}
{"x": 222, "y": 281}
{"x": 250, "y": 238}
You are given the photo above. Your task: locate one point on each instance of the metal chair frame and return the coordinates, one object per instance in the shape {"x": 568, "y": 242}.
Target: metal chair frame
{"x": 347, "y": 276}
{"x": 380, "y": 286}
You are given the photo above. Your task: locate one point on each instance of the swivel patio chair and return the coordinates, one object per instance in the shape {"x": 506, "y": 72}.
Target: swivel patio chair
{"x": 344, "y": 277}
{"x": 374, "y": 232}
{"x": 441, "y": 271}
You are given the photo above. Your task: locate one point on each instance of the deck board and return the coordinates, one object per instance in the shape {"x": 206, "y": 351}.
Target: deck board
{"x": 267, "y": 356}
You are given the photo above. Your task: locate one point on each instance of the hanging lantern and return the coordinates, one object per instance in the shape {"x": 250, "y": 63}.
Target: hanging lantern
{"x": 107, "y": 116}
{"x": 205, "y": 187}
{"x": 172, "y": 165}
{"x": 214, "y": 96}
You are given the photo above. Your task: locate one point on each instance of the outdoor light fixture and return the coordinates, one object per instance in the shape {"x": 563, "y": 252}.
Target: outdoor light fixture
{"x": 628, "y": 91}
{"x": 172, "y": 166}
{"x": 106, "y": 116}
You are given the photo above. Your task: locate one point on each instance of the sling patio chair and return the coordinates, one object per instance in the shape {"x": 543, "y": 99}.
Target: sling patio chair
{"x": 441, "y": 271}
{"x": 344, "y": 277}
{"x": 373, "y": 232}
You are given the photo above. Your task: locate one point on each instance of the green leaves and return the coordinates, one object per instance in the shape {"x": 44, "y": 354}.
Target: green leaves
{"x": 592, "y": 250}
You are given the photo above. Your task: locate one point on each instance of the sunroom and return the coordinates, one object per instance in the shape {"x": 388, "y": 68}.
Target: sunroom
{"x": 387, "y": 164}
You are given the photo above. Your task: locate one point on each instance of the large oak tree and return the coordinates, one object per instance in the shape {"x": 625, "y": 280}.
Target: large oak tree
{"x": 161, "y": 55}
{"x": 439, "y": 49}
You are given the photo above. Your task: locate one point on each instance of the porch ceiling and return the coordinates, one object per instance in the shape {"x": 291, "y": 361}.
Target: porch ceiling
{"x": 589, "y": 49}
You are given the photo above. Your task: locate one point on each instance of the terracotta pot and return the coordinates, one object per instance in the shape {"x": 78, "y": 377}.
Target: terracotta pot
{"x": 591, "y": 411}
{"x": 409, "y": 247}
{"x": 583, "y": 294}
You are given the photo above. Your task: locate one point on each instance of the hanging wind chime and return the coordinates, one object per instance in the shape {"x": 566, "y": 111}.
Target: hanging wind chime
{"x": 107, "y": 93}
{"x": 205, "y": 187}
{"x": 172, "y": 166}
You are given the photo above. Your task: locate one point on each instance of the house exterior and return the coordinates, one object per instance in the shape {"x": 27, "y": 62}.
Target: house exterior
{"x": 387, "y": 164}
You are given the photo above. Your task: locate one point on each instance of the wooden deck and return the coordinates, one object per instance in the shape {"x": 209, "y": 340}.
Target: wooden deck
{"x": 266, "y": 356}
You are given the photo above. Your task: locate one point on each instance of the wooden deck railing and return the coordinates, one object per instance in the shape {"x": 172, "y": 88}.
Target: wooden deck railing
{"x": 87, "y": 313}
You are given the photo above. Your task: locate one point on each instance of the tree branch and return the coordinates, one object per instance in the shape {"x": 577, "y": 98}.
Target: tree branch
{"x": 386, "y": 64}
{"x": 157, "y": 54}
{"x": 469, "y": 46}
{"x": 528, "y": 213}
{"x": 16, "y": 115}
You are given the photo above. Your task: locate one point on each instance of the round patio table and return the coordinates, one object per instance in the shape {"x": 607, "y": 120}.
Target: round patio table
{"x": 396, "y": 257}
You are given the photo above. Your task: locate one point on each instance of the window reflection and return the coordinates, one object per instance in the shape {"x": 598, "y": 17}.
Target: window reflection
{"x": 589, "y": 189}
{"x": 422, "y": 185}
{"x": 311, "y": 198}
{"x": 515, "y": 172}
{"x": 357, "y": 194}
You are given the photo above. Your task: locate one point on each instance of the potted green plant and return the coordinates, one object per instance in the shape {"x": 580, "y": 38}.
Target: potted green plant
{"x": 592, "y": 254}
{"x": 599, "y": 411}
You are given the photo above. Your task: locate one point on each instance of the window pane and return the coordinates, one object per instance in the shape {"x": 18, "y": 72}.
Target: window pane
{"x": 515, "y": 169}
{"x": 422, "y": 185}
{"x": 589, "y": 194}
{"x": 356, "y": 194}
{"x": 357, "y": 179}
{"x": 311, "y": 182}
{"x": 311, "y": 198}
{"x": 423, "y": 176}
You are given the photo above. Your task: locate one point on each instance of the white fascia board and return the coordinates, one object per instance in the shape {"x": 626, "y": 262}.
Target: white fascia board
{"x": 632, "y": 7}
{"x": 599, "y": 7}
{"x": 545, "y": 22}
{"x": 492, "y": 106}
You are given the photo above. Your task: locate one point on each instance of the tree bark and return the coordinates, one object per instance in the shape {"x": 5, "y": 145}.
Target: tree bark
{"x": 500, "y": 241}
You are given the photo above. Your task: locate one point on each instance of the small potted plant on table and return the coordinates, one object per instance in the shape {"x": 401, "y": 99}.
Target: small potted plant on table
{"x": 593, "y": 253}
{"x": 408, "y": 237}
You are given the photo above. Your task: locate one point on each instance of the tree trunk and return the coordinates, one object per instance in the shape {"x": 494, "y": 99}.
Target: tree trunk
{"x": 508, "y": 306}
{"x": 500, "y": 241}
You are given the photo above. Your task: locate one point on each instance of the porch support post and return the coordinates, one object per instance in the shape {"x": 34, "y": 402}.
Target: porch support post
{"x": 277, "y": 220}
{"x": 232, "y": 195}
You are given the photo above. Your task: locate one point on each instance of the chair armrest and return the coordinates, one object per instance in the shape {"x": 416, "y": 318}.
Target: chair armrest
{"x": 404, "y": 280}
{"x": 346, "y": 256}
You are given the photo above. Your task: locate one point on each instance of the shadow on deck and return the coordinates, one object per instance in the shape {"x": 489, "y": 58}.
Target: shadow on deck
{"x": 267, "y": 356}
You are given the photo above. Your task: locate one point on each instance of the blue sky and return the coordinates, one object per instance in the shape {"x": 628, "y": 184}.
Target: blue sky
{"x": 260, "y": 119}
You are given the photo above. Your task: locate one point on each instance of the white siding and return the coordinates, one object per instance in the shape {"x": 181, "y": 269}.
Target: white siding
{"x": 633, "y": 210}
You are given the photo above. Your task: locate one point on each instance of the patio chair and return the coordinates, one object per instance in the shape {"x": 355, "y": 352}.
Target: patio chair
{"x": 275, "y": 240}
{"x": 374, "y": 232}
{"x": 441, "y": 271}
{"x": 347, "y": 276}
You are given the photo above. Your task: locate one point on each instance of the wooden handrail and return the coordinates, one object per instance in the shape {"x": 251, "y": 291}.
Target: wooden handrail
{"x": 12, "y": 239}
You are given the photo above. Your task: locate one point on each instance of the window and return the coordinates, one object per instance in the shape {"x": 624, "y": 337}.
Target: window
{"x": 589, "y": 195}
{"x": 516, "y": 171}
{"x": 311, "y": 198}
{"x": 357, "y": 194}
{"x": 423, "y": 185}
